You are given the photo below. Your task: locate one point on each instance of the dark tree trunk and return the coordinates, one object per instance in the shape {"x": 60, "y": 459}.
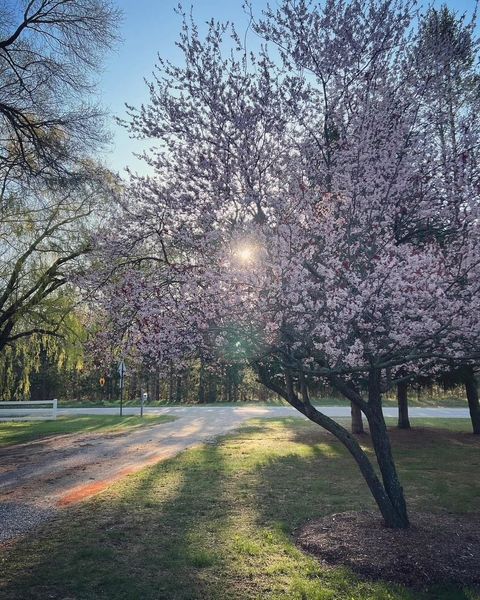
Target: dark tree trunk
{"x": 157, "y": 385}
{"x": 130, "y": 390}
{"x": 5, "y": 334}
{"x": 402, "y": 399}
{"x": 227, "y": 383}
{"x": 171, "y": 385}
{"x": 389, "y": 496}
{"x": 471, "y": 390}
{"x": 201, "y": 384}
{"x": 212, "y": 388}
{"x": 374, "y": 484}
{"x": 357, "y": 421}
{"x": 178, "y": 388}
{"x": 235, "y": 384}
{"x": 110, "y": 385}
{"x": 383, "y": 452}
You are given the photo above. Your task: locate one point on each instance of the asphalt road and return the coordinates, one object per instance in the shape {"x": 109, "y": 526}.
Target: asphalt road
{"x": 39, "y": 478}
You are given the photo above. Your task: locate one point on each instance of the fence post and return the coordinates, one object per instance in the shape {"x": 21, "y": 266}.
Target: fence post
{"x": 55, "y": 403}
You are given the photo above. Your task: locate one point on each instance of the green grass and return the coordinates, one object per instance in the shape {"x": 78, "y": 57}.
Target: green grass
{"x": 135, "y": 403}
{"x": 445, "y": 400}
{"x": 216, "y": 522}
{"x": 18, "y": 432}
{"x": 458, "y": 425}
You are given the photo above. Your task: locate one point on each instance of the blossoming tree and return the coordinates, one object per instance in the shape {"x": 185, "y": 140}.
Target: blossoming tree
{"x": 298, "y": 217}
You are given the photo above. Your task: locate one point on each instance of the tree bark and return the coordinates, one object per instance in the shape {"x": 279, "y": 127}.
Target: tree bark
{"x": 391, "y": 505}
{"x": 178, "y": 388}
{"x": 157, "y": 385}
{"x": 171, "y": 384}
{"x": 471, "y": 390}
{"x": 357, "y": 421}
{"x": 212, "y": 388}
{"x": 383, "y": 452}
{"x": 402, "y": 400}
{"x": 201, "y": 383}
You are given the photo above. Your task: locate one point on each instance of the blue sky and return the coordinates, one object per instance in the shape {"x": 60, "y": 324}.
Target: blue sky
{"x": 150, "y": 27}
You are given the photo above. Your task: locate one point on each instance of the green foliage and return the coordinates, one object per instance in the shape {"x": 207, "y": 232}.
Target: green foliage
{"x": 20, "y": 360}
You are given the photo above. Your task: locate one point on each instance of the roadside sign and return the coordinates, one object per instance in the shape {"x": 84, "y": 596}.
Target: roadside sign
{"x": 101, "y": 381}
{"x": 122, "y": 369}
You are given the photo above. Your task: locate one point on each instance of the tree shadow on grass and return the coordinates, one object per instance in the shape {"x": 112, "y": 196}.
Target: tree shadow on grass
{"x": 214, "y": 523}
{"x": 152, "y": 536}
{"x": 328, "y": 482}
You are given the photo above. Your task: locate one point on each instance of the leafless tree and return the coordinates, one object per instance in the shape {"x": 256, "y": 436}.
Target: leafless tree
{"x": 50, "y": 129}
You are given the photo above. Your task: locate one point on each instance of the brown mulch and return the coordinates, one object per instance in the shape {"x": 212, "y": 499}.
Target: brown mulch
{"x": 437, "y": 548}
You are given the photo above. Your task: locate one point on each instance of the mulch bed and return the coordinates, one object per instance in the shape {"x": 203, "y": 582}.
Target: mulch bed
{"x": 437, "y": 548}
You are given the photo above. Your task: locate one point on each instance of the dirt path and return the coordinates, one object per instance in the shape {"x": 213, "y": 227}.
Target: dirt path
{"x": 40, "y": 477}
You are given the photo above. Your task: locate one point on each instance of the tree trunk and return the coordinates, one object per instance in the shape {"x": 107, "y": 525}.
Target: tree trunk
{"x": 402, "y": 400}
{"x": 366, "y": 468}
{"x": 383, "y": 452}
{"x": 212, "y": 388}
{"x": 178, "y": 388}
{"x": 201, "y": 384}
{"x": 171, "y": 384}
{"x": 357, "y": 421}
{"x": 389, "y": 500}
{"x": 471, "y": 390}
{"x": 130, "y": 389}
{"x": 227, "y": 384}
{"x": 157, "y": 385}
{"x": 235, "y": 385}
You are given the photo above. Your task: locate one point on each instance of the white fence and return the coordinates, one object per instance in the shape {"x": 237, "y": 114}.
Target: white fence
{"x": 28, "y": 411}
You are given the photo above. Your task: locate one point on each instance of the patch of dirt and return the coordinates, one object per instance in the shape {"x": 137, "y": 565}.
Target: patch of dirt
{"x": 84, "y": 491}
{"x": 437, "y": 548}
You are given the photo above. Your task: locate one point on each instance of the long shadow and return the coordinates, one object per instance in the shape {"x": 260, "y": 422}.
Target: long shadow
{"x": 151, "y": 537}
{"x": 327, "y": 481}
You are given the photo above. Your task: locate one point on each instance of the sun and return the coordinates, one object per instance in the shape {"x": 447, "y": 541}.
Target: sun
{"x": 245, "y": 254}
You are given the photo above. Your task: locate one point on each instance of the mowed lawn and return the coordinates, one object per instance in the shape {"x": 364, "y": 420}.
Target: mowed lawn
{"x": 455, "y": 399}
{"x": 216, "y": 522}
{"x": 19, "y": 432}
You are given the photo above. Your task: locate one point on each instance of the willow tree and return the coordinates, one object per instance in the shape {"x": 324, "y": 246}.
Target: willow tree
{"x": 50, "y": 129}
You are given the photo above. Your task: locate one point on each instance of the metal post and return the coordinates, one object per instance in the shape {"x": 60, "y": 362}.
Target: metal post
{"x": 121, "y": 371}
{"x": 121, "y": 395}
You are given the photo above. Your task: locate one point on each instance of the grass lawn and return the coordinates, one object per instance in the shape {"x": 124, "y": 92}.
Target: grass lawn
{"x": 135, "y": 403}
{"x": 216, "y": 522}
{"x": 446, "y": 400}
{"x": 18, "y": 432}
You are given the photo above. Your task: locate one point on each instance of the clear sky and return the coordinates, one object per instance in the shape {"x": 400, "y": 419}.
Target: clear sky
{"x": 149, "y": 28}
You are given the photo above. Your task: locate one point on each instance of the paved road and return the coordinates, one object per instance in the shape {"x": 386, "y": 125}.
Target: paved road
{"x": 38, "y": 478}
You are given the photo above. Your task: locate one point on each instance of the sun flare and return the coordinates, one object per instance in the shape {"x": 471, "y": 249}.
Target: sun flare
{"x": 245, "y": 254}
